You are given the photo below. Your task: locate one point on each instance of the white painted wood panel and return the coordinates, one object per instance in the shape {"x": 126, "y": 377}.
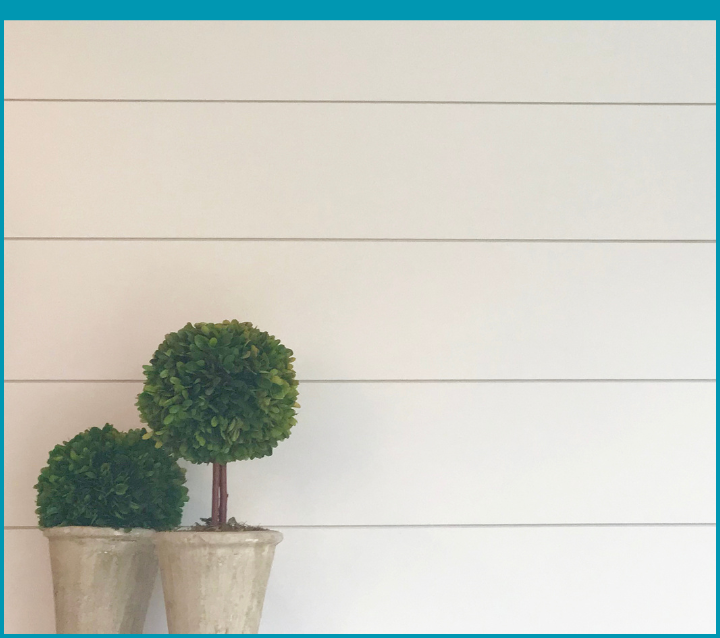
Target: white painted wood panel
{"x": 412, "y": 60}
{"x": 98, "y": 310}
{"x": 494, "y": 581}
{"x": 389, "y": 454}
{"x": 29, "y": 607}
{"x": 482, "y": 580}
{"x": 386, "y": 454}
{"x": 350, "y": 170}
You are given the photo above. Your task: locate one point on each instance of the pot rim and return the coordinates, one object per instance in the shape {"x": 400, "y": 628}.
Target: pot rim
{"x": 235, "y": 537}
{"x": 87, "y": 531}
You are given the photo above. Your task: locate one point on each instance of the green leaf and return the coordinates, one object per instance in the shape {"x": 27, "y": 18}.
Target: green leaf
{"x": 231, "y": 379}
{"x": 120, "y": 481}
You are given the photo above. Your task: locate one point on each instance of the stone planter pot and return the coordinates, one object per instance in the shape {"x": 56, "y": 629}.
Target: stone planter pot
{"x": 214, "y": 582}
{"x": 102, "y": 578}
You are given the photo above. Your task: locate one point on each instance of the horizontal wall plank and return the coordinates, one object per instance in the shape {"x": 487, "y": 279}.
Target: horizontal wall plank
{"x": 472, "y": 60}
{"x": 367, "y": 171}
{"x": 98, "y": 310}
{"x": 649, "y": 580}
{"x": 491, "y": 581}
{"x": 28, "y": 584}
{"x": 419, "y": 454}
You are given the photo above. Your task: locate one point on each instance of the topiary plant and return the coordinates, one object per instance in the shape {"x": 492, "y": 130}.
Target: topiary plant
{"x": 219, "y": 392}
{"x": 106, "y": 478}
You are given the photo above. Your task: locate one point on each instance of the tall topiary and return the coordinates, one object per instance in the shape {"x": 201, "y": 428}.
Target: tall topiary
{"x": 219, "y": 392}
{"x": 106, "y": 478}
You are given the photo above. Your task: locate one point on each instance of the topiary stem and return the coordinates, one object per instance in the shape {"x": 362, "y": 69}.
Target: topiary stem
{"x": 216, "y": 495}
{"x": 223, "y": 494}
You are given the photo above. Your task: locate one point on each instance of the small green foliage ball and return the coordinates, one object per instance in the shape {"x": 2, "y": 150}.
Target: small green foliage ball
{"x": 106, "y": 478}
{"x": 219, "y": 392}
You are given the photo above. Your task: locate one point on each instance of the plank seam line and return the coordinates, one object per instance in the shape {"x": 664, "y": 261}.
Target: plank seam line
{"x": 419, "y": 102}
{"x": 455, "y": 525}
{"x": 371, "y": 240}
{"x": 698, "y": 380}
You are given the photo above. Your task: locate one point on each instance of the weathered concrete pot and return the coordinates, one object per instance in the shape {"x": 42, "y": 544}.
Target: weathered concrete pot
{"x": 214, "y": 582}
{"x": 102, "y": 578}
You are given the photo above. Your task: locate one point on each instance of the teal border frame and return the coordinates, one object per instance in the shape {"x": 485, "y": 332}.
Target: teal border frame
{"x": 363, "y": 10}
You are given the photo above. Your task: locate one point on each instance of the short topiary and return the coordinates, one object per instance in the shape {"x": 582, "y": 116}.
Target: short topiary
{"x": 219, "y": 392}
{"x": 106, "y": 478}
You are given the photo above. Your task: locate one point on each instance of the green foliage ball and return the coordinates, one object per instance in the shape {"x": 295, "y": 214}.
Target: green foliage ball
{"x": 106, "y": 478}
{"x": 220, "y": 392}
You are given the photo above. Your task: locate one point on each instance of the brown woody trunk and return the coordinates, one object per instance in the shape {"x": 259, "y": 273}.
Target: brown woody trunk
{"x": 219, "y": 494}
{"x": 223, "y": 494}
{"x": 216, "y": 495}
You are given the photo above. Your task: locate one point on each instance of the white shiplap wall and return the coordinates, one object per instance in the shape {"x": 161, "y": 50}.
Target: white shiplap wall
{"x": 491, "y": 246}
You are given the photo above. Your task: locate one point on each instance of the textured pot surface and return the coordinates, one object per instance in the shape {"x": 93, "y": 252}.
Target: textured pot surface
{"x": 214, "y": 582}
{"x": 102, "y": 578}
